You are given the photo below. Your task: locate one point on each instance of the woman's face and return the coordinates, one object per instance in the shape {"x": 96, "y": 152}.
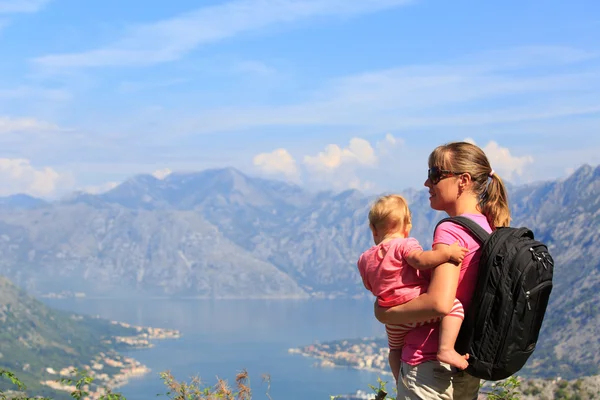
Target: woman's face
{"x": 443, "y": 194}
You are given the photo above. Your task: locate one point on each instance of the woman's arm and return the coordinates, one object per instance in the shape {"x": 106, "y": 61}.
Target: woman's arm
{"x": 438, "y": 300}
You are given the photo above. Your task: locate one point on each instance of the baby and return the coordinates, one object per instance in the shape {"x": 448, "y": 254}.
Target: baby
{"x": 389, "y": 270}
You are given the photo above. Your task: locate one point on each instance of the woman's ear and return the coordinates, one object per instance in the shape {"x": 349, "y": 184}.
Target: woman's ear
{"x": 464, "y": 183}
{"x": 465, "y": 180}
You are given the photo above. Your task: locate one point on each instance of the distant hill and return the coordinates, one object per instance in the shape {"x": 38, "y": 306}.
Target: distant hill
{"x": 34, "y": 338}
{"x": 222, "y": 234}
{"x": 566, "y": 215}
{"x": 20, "y": 201}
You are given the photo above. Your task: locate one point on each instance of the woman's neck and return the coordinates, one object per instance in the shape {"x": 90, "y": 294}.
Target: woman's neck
{"x": 465, "y": 204}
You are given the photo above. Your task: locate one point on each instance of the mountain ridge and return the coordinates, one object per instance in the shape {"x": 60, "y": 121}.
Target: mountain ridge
{"x": 229, "y": 242}
{"x": 294, "y": 231}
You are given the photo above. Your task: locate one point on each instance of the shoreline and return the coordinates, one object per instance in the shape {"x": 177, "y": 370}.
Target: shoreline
{"x": 307, "y": 297}
{"x": 111, "y": 370}
{"x": 328, "y": 361}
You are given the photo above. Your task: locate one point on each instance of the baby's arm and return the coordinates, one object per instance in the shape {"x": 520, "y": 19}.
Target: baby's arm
{"x": 423, "y": 260}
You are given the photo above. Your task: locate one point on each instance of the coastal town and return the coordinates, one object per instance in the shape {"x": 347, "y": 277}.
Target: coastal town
{"x": 110, "y": 370}
{"x": 144, "y": 336}
{"x": 101, "y": 370}
{"x": 371, "y": 354}
{"x": 366, "y": 353}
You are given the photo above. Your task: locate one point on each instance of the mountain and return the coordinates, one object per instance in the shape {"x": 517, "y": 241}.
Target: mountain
{"x": 566, "y": 216}
{"x": 220, "y": 233}
{"x": 20, "y": 201}
{"x": 113, "y": 249}
{"x": 35, "y": 338}
{"x": 207, "y": 189}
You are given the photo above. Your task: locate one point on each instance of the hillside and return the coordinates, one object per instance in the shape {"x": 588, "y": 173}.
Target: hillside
{"x": 566, "y": 215}
{"x": 41, "y": 344}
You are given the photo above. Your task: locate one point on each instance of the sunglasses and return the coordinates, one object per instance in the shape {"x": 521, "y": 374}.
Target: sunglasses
{"x": 436, "y": 174}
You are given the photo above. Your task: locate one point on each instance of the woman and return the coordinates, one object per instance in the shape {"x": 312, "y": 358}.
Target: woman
{"x": 461, "y": 182}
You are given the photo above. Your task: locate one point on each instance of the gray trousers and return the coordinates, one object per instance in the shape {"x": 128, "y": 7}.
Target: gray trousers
{"x": 435, "y": 380}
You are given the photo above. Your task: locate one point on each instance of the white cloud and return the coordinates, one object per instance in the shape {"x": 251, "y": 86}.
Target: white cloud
{"x": 28, "y": 92}
{"x": 504, "y": 162}
{"x": 356, "y": 183}
{"x": 136, "y": 86}
{"x": 569, "y": 171}
{"x": 98, "y": 189}
{"x": 335, "y": 167}
{"x": 255, "y": 68}
{"x": 359, "y": 151}
{"x": 482, "y": 90}
{"x": 170, "y": 39}
{"x": 17, "y": 175}
{"x": 279, "y": 161}
{"x": 9, "y": 124}
{"x": 162, "y": 173}
{"x": 388, "y": 143}
{"x": 21, "y": 6}
{"x": 507, "y": 166}
{"x": 350, "y": 167}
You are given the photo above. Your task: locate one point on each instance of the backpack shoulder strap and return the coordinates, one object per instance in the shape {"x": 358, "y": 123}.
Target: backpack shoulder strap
{"x": 480, "y": 233}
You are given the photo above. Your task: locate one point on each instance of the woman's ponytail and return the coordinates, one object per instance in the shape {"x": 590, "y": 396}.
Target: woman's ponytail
{"x": 494, "y": 202}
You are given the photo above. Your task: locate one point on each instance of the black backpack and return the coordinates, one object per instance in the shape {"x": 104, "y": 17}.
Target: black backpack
{"x": 514, "y": 281}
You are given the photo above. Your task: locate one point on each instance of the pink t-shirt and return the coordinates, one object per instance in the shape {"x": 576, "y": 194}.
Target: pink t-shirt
{"x": 388, "y": 276}
{"x": 421, "y": 344}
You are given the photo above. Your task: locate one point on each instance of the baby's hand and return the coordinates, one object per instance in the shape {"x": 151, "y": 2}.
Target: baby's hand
{"x": 457, "y": 252}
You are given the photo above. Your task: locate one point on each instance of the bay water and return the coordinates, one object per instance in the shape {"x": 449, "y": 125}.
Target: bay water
{"x": 222, "y": 337}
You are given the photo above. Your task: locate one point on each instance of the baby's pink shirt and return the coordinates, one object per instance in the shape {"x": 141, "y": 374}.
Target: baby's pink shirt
{"x": 421, "y": 344}
{"x": 389, "y": 277}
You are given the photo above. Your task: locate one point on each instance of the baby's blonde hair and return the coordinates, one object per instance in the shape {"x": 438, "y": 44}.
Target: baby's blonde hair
{"x": 390, "y": 213}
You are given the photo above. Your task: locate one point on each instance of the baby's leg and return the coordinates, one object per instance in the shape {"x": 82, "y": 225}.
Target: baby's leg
{"x": 396, "y": 334}
{"x": 449, "y": 328}
{"x": 395, "y": 360}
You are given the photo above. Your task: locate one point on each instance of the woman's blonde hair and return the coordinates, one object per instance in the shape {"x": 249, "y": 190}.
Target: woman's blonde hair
{"x": 464, "y": 157}
{"x": 390, "y": 213}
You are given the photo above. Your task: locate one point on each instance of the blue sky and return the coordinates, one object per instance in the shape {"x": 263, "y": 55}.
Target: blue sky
{"x": 325, "y": 93}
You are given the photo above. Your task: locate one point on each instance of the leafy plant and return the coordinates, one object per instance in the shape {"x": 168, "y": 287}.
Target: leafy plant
{"x": 379, "y": 390}
{"x": 194, "y": 391}
{"x": 81, "y": 380}
{"x": 20, "y": 386}
{"x": 507, "y": 389}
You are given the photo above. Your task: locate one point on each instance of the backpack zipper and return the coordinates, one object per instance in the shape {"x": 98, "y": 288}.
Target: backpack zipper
{"x": 528, "y": 295}
{"x": 533, "y": 291}
{"x": 541, "y": 258}
{"x": 535, "y": 257}
{"x": 545, "y": 258}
